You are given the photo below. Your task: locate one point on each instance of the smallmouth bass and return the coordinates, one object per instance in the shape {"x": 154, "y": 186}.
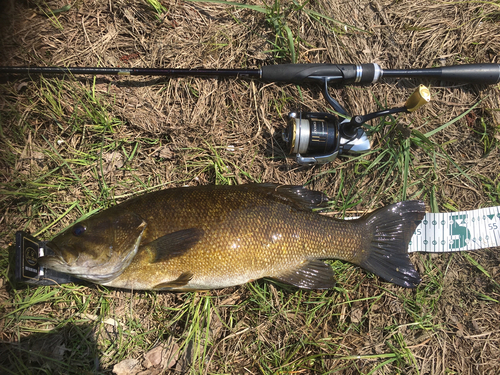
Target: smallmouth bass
{"x": 206, "y": 237}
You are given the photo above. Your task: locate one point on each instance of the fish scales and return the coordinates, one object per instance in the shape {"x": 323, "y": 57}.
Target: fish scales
{"x": 246, "y": 234}
{"x": 218, "y": 236}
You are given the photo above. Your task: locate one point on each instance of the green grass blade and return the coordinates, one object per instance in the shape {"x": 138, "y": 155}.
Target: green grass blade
{"x": 444, "y": 126}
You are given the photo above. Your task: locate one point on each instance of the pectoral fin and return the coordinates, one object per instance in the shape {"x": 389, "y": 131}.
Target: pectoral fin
{"x": 312, "y": 274}
{"x": 178, "y": 283}
{"x": 174, "y": 244}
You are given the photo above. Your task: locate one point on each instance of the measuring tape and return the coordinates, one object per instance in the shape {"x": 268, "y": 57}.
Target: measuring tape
{"x": 457, "y": 231}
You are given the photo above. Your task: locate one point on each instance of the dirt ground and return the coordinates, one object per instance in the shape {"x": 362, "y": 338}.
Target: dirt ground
{"x": 71, "y": 145}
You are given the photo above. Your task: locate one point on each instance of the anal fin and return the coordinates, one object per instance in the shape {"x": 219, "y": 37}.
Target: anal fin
{"x": 313, "y": 274}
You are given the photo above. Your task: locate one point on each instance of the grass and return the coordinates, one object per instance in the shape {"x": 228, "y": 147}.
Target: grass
{"x": 285, "y": 37}
{"x": 71, "y": 146}
{"x": 157, "y": 6}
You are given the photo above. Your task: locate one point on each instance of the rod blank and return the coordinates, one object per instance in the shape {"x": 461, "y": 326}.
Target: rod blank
{"x": 471, "y": 73}
{"x": 292, "y": 73}
{"x": 132, "y": 71}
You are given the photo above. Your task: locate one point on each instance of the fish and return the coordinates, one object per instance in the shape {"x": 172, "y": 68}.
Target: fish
{"x": 211, "y": 237}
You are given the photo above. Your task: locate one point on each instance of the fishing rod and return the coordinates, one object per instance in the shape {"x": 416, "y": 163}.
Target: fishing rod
{"x": 314, "y": 138}
{"x": 292, "y": 73}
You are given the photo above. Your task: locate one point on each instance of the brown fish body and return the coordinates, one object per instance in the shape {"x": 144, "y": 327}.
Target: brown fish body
{"x": 217, "y": 236}
{"x": 247, "y": 234}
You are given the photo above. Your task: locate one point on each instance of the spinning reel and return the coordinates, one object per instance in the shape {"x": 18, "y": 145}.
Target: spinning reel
{"x": 318, "y": 138}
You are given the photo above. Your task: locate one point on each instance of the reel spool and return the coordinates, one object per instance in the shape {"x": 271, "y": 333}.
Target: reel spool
{"x": 315, "y": 138}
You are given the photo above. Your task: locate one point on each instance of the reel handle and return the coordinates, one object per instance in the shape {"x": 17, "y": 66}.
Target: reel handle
{"x": 420, "y": 96}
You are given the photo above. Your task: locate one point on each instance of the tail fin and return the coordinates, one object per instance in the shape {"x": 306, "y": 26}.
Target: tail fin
{"x": 391, "y": 229}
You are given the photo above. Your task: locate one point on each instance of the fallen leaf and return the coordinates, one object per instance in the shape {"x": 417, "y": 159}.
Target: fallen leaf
{"x": 165, "y": 152}
{"x": 164, "y": 355}
{"x": 111, "y": 161}
{"x": 186, "y": 359}
{"x": 51, "y": 346}
{"x": 127, "y": 367}
{"x": 153, "y": 357}
{"x": 21, "y": 86}
{"x": 356, "y": 315}
{"x": 151, "y": 371}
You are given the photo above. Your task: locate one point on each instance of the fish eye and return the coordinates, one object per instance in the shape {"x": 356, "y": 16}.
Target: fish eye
{"x": 78, "y": 230}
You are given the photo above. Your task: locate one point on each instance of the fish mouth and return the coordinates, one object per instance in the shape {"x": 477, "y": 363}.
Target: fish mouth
{"x": 100, "y": 273}
{"x": 52, "y": 248}
{"x": 56, "y": 263}
{"x": 53, "y": 259}
{"x": 53, "y": 262}
{"x": 73, "y": 261}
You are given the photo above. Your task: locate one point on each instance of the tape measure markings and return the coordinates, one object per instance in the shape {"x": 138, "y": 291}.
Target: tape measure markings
{"x": 457, "y": 231}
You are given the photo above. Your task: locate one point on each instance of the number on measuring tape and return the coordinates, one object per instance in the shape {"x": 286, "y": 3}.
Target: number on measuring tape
{"x": 458, "y": 231}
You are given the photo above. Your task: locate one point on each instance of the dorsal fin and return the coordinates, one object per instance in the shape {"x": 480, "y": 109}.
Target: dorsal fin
{"x": 295, "y": 195}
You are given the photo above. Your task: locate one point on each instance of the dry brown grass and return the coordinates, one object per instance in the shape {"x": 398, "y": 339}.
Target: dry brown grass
{"x": 202, "y": 131}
